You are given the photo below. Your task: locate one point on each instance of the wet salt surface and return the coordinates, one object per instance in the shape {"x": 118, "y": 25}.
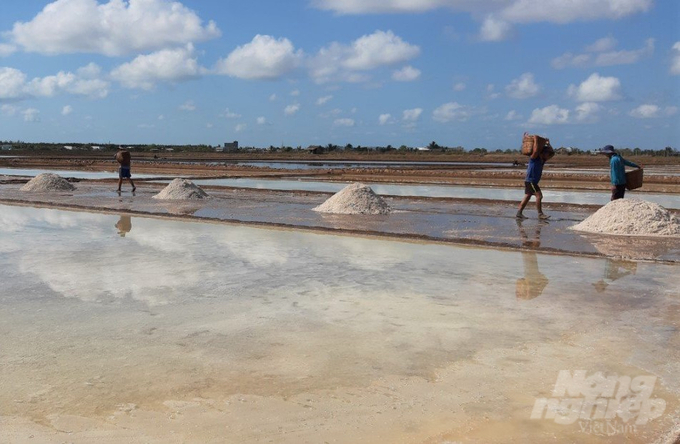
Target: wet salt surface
{"x": 77, "y": 174}
{"x": 451, "y": 191}
{"x": 124, "y": 327}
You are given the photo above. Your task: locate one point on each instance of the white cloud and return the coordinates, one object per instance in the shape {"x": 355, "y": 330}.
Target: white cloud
{"x": 384, "y": 119}
{"x": 670, "y": 110}
{"x": 272, "y": 97}
{"x": 625, "y": 57}
{"x": 675, "y": 59}
{"x": 602, "y": 45}
{"x": 291, "y": 109}
{"x": 491, "y": 91}
{"x": 452, "y": 111}
{"x": 495, "y": 30}
{"x": 113, "y": 29}
{"x": 550, "y": 115}
{"x": 323, "y": 100}
{"x": 596, "y": 89}
{"x": 6, "y": 49}
{"x": 338, "y": 62}
{"x": 264, "y": 58}
{"x": 161, "y": 117}
{"x": 66, "y": 110}
{"x": 240, "y": 127}
{"x": 406, "y": 74}
{"x": 460, "y": 86}
{"x": 512, "y": 115}
{"x": 343, "y": 122}
{"x": 295, "y": 92}
{"x": 560, "y": 11}
{"x": 411, "y": 115}
{"x": 31, "y": 115}
{"x": 188, "y": 106}
{"x": 261, "y": 121}
{"x": 646, "y": 111}
{"x": 8, "y": 110}
{"x": 570, "y": 60}
{"x": 167, "y": 65}
{"x": 523, "y": 87}
{"x": 587, "y": 112}
{"x": 230, "y": 114}
{"x": 12, "y": 83}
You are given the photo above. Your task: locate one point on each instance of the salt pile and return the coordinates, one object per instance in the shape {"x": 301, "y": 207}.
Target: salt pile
{"x": 181, "y": 189}
{"x": 356, "y": 198}
{"x": 47, "y": 182}
{"x": 631, "y": 217}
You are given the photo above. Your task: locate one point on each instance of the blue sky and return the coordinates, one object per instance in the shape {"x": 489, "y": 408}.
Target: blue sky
{"x": 476, "y": 73}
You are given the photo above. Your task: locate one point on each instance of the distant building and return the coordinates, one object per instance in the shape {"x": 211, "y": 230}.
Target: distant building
{"x": 6, "y": 147}
{"x": 68, "y": 147}
{"x": 315, "y": 149}
{"x": 96, "y": 148}
{"x": 231, "y": 146}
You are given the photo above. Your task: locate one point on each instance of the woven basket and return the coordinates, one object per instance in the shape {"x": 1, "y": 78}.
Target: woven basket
{"x": 528, "y": 144}
{"x": 634, "y": 179}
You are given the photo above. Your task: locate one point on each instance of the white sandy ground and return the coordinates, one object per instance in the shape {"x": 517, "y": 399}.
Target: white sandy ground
{"x": 355, "y": 198}
{"x": 199, "y": 333}
{"x": 631, "y": 217}
{"x": 47, "y": 182}
{"x": 181, "y": 189}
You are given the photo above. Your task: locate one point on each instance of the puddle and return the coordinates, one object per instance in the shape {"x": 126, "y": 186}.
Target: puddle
{"x": 509, "y": 194}
{"x": 73, "y": 173}
{"x": 117, "y": 327}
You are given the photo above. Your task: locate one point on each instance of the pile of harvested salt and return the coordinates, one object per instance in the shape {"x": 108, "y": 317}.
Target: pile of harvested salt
{"x": 181, "y": 189}
{"x": 356, "y": 198}
{"x": 47, "y": 182}
{"x": 631, "y": 217}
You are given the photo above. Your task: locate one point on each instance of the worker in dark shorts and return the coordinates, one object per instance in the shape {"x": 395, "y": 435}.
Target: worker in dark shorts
{"x": 531, "y": 188}
{"x": 123, "y": 158}
{"x": 617, "y": 171}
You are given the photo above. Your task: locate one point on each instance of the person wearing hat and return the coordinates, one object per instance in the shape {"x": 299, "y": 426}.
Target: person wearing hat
{"x": 617, "y": 171}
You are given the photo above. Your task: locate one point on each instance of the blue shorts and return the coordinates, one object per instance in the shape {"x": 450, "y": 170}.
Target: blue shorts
{"x": 124, "y": 172}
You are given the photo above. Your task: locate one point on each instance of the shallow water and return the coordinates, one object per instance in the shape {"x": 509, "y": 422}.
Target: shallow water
{"x": 77, "y": 174}
{"x": 452, "y": 191}
{"x": 118, "y": 327}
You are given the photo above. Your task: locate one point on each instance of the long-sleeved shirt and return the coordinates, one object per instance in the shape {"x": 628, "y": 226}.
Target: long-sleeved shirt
{"x": 618, "y": 170}
{"x": 534, "y": 170}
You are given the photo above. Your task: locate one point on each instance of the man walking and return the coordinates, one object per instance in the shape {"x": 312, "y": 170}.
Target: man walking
{"x": 617, "y": 171}
{"x": 123, "y": 158}
{"x": 531, "y": 188}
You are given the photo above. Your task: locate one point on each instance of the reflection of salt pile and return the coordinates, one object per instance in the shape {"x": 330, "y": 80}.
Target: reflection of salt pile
{"x": 631, "y": 217}
{"x": 47, "y": 182}
{"x": 356, "y": 198}
{"x": 181, "y": 189}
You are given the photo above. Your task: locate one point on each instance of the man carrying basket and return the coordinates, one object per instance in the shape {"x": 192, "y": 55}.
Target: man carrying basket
{"x": 617, "y": 171}
{"x": 123, "y": 158}
{"x": 540, "y": 153}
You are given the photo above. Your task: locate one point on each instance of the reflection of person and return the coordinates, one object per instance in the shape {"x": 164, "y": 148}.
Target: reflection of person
{"x": 534, "y": 282}
{"x": 123, "y": 158}
{"x": 617, "y": 171}
{"x": 124, "y": 225}
{"x": 533, "y": 176}
{"x": 613, "y": 270}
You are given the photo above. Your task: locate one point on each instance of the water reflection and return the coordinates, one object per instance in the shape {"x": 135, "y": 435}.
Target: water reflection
{"x": 124, "y": 225}
{"x": 613, "y": 270}
{"x": 534, "y": 282}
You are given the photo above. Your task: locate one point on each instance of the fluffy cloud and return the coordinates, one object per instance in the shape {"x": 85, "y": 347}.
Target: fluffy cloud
{"x": 675, "y": 62}
{"x": 6, "y": 49}
{"x": 240, "y": 127}
{"x": 460, "y": 86}
{"x": 189, "y": 105}
{"x": 384, "y": 119}
{"x": 499, "y": 15}
{"x": 406, "y": 74}
{"x": 523, "y": 87}
{"x": 452, "y": 111}
{"x": 596, "y": 89}
{"x": 31, "y": 115}
{"x": 587, "y": 112}
{"x": 261, "y": 120}
{"x": 291, "y": 109}
{"x": 323, "y": 100}
{"x": 228, "y": 114}
{"x": 550, "y": 115}
{"x": 8, "y": 110}
{"x": 602, "y": 54}
{"x": 113, "y": 29}
{"x": 13, "y": 85}
{"x": 650, "y": 111}
{"x": 168, "y": 65}
{"x": 338, "y": 62}
{"x": 512, "y": 115}
{"x": 66, "y": 110}
{"x": 343, "y": 122}
{"x": 411, "y": 115}
{"x": 264, "y": 58}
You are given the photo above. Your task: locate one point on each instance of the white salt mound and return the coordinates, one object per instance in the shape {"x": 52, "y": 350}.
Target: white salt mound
{"x": 47, "y": 182}
{"x": 181, "y": 189}
{"x": 631, "y": 217}
{"x": 356, "y": 198}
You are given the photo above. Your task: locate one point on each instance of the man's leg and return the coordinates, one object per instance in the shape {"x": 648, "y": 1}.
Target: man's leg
{"x": 120, "y": 183}
{"x": 132, "y": 183}
{"x": 523, "y": 205}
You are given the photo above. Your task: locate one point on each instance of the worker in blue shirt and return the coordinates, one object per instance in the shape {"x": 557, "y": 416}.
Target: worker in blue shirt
{"x": 617, "y": 171}
{"x": 531, "y": 188}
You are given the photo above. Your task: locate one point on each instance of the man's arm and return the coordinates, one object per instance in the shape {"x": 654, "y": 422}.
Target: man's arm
{"x": 535, "y": 153}
{"x": 630, "y": 164}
